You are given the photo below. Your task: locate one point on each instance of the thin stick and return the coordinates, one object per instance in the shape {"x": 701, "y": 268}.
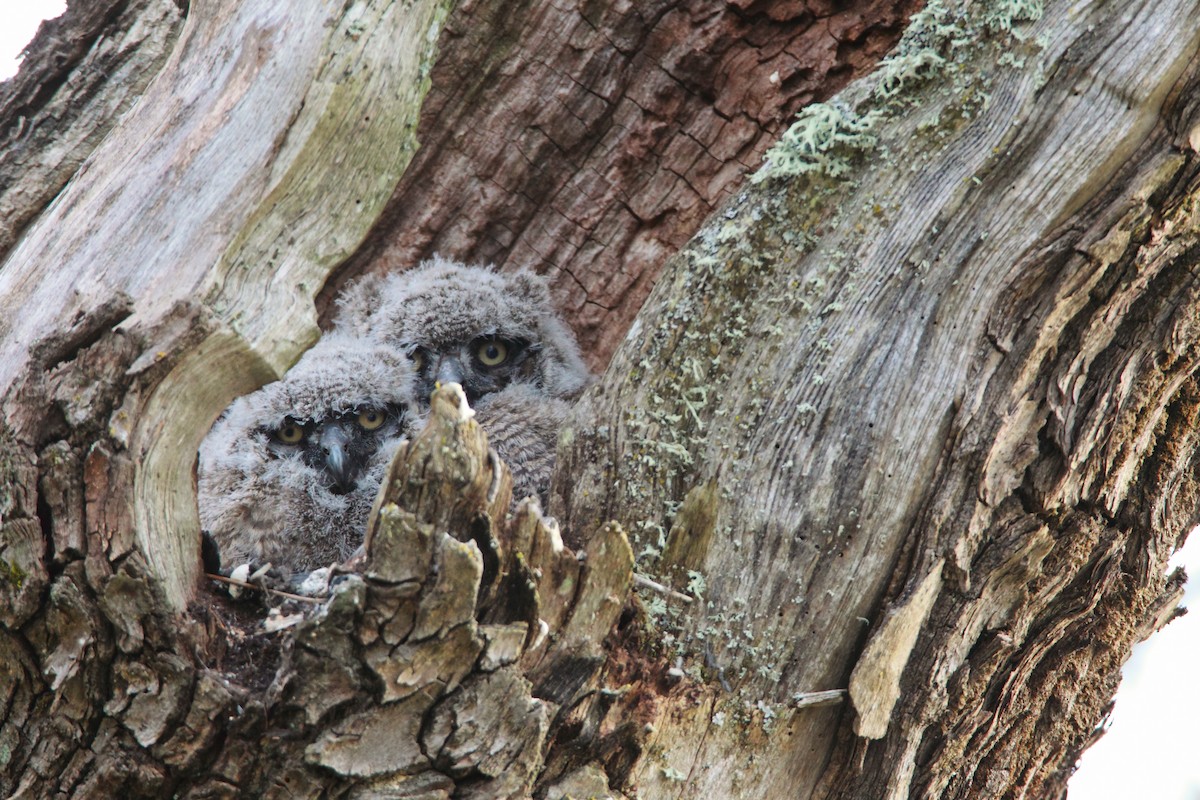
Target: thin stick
{"x": 830, "y": 697}
{"x": 267, "y": 589}
{"x": 645, "y": 583}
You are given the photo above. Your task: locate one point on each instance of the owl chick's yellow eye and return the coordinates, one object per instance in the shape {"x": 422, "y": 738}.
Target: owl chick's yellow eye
{"x": 492, "y": 353}
{"x": 418, "y": 360}
{"x": 370, "y": 419}
{"x": 290, "y": 433}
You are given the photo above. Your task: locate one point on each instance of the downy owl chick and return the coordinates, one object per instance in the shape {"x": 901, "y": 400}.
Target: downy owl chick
{"x": 469, "y": 325}
{"x": 288, "y": 474}
{"x": 522, "y": 427}
{"x": 495, "y": 334}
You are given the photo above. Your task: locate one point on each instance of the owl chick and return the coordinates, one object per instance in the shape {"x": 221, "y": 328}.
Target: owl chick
{"x": 522, "y": 427}
{"x": 288, "y": 474}
{"x": 469, "y": 325}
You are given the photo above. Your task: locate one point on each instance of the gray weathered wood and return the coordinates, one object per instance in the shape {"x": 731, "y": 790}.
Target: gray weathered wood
{"x": 926, "y": 394}
{"x": 93, "y": 62}
{"x": 254, "y": 163}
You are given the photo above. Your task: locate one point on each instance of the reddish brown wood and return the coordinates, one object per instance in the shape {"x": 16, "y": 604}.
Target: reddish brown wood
{"x": 594, "y": 145}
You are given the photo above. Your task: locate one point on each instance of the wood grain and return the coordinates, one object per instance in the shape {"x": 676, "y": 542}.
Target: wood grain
{"x": 963, "y": 340}
{"x": 83, "y": 72}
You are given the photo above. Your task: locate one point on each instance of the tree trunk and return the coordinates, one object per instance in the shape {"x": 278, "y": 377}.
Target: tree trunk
{"x": 909, "y": 414}
{"x": 918, "y": 409}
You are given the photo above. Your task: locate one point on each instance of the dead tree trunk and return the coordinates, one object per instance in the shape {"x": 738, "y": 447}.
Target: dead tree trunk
{"x": 911, "y": 414}
{"x": 918, "y": 408}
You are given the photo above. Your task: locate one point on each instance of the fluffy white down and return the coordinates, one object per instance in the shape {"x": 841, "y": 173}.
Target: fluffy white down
{"x": 261, "y": 507}
{"x": 445, "y": 301}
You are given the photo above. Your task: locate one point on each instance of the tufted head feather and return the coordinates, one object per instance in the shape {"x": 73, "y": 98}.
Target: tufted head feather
{"x": 443, "y": 306}
{"x": 338, "y": 374}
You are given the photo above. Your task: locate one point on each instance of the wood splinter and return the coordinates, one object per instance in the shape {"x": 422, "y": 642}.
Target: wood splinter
{"x": 643, "y": 582}
{"x": 829, "y": 697}
{"x": 267, "y": 589}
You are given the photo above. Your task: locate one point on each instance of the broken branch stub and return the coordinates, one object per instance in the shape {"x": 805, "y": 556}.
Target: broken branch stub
{"x": 444, "y": 479}
{"x": 474, "y": 624}
{"x": 445, "y": 476}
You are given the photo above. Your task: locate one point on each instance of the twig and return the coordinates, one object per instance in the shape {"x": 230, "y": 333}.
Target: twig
{"x": 830, "y": 697}
{"x": 267, "y": 589}
{"x": 645, "y": 583}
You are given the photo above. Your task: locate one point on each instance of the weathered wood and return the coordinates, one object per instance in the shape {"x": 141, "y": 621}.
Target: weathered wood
{"x": 911, "y": 413}
{"x": 147, "y": 355}
{"x": 83, "y": 72}
{"x": 475, "y": 730}
{"x": 914, "y": 425}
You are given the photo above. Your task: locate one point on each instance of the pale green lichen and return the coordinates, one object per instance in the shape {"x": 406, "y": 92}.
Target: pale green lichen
{"x": 823, "y": 139}
{"x": 1002, "y": 15}
{"x": 768, "y": 715}
{"x": 898, "y": 73}
{"x": 933, "y": 35}
{"x": 669, "y": 435}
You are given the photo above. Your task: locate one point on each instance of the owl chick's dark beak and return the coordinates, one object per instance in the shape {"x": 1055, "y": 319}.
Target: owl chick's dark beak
{"x": 334, "y": 441}
{"x": 448, "y": 370}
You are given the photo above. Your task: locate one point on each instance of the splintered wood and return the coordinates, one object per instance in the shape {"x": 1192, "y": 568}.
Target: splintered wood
{"x": 440, "y": 665}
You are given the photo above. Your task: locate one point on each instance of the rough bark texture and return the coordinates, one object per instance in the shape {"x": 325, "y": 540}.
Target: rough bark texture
{"x": 940, "y": 365}
{"x": 912, "y": 417}
{"x": 589, "y": 141}
{"x": 408, "y": 681}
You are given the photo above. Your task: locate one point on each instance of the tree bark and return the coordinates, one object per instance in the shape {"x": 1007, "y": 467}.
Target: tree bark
{"x": 918, "y": 408}
{"x": 589, "y": 142}
{"x": 82, "y": 72}
{"x": 909, "y": 416}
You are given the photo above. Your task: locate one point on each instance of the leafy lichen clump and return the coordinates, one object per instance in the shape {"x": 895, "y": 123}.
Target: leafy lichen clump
{"x": 934, "y": 34}
{"x": 1003, "y": 14}
{"x": 822, "y": 139}
{"x": 826, "y": 137}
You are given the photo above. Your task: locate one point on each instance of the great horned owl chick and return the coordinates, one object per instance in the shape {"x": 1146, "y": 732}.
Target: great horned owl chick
{"x": 522, "y": 427}
{"x": 288, "y": 474}
{"x": 469, "y": 325}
